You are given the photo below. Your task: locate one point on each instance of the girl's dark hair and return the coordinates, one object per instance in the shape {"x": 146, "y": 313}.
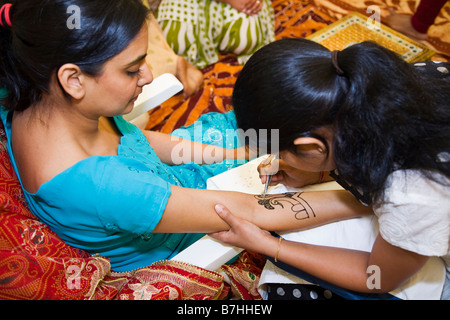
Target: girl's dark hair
{"x": 385, "y": 114}
{"x": 42, "y": 38}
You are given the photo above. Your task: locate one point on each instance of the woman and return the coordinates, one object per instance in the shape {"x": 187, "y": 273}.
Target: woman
{"x": 200, "y": 30}
{"x": 380, "y": 125}
{"x": 99, "y": 182}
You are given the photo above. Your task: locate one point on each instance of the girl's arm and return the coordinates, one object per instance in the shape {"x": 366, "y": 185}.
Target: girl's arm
{"x": 383, "y": 269}
{"x": 175, "y": 150}
{"x": 193, "y": 210}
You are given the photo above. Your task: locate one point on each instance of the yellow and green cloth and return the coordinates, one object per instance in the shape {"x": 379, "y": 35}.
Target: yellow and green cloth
{"x": 200, "y": 30}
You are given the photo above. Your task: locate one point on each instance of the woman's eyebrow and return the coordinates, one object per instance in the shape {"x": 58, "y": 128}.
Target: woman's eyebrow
{"x": 138, "y": 59}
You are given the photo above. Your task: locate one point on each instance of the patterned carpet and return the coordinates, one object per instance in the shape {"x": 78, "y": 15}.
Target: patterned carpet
{"x": 293, "y": 19}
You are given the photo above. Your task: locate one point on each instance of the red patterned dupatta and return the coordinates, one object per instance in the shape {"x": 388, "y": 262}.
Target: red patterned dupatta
{"x": 171, "y": 280}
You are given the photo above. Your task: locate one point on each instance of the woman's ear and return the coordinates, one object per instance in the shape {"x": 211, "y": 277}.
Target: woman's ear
{"x": 71, "y": 79}
{"x": 310, "y": 144}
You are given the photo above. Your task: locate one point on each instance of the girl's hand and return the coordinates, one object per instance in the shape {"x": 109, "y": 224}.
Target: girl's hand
{"x": 289, "y": 176}
{"x": 250, "y": 7}
{"x": 243, "y": 233}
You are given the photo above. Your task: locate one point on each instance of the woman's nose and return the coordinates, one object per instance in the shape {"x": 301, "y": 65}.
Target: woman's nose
{"x": 146, "y": 75}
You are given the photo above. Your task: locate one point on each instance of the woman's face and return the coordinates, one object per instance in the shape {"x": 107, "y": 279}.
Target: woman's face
{"x": 120, "y": 83}
{"x": 311, "y": 154}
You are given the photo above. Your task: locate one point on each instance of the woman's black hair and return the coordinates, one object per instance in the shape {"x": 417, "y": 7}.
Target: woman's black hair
{"x": 385, "y": 114}
{"x": 43, "y": 37}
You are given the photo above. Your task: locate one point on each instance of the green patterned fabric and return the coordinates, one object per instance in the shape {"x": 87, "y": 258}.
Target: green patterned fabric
{"x": 201, "y": 29}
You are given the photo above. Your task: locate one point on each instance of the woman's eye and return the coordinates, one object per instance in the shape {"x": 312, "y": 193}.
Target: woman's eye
{"x": 134, "y": 73}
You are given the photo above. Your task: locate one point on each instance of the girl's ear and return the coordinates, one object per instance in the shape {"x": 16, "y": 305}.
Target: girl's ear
{"x": 71, "y": 79}
{"x": 310, "y": 144}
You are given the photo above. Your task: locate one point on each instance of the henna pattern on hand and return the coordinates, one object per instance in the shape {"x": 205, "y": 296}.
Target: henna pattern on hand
{"x": 299, "y": 206}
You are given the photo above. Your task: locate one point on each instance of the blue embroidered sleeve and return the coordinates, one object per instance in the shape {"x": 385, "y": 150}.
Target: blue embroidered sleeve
{"x": 131, "y": 197}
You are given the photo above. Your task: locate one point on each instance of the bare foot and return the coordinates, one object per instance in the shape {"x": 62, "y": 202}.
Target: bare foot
{"x": 189, "y": 76}
{"x": 402, "y": 23}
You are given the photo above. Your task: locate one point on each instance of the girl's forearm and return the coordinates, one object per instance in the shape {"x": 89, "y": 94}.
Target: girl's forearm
{"x": 383, "y": 269}
{"x": 342, "y": 267}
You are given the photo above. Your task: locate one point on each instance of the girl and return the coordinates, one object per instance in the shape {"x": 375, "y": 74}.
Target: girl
{"x": 380, "y": 125}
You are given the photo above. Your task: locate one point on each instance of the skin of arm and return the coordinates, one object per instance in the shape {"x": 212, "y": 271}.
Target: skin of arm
{"x": 343, "y": 267}
{"x": 290, "y": 211}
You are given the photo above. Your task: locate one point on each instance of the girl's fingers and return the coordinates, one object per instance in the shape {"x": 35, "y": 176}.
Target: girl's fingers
{"x": 226, "y": 215}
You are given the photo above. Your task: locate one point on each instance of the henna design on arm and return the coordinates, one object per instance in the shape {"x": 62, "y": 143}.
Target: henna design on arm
{"x": 298, "y": 205}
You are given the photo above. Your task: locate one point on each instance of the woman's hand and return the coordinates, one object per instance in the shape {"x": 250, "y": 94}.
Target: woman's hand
{"x": 244, "y": 234}
{"x": 250, "y": 7}
{"x": 289, "y": 176}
